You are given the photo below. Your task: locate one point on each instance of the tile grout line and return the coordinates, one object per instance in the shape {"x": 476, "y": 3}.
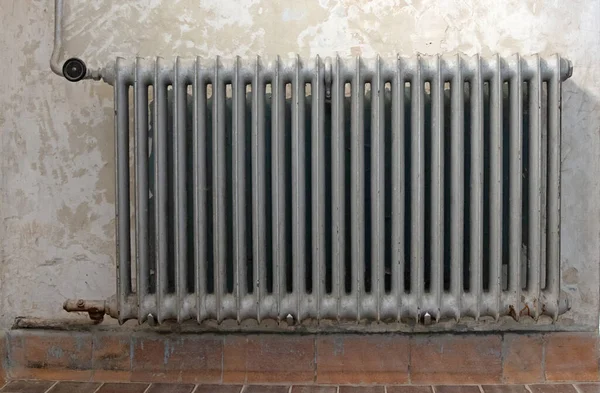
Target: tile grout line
{"x": 409, "y": 371}
{"x": 51, "y": 387}
{"x": 315, "y": 358}
{"x": 223, "y": 358}
{"x": 544, "y": 357}
{"x": 98, "y": 388}
{"x": 131, "y": 352}
{"x": 503, "y": 349}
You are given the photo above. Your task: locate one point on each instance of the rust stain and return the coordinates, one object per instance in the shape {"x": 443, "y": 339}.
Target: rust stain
{"x": 512, "y": 312}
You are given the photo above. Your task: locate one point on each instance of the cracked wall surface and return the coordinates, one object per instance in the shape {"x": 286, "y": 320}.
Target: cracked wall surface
{"x": 57, "y": 172}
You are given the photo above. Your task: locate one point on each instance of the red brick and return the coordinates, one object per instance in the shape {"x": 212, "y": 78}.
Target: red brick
{"x": 184, "y": 358}
{"x": 505, "y": 389}
{"x": 523, "y": 358}
{"x": 123, "y": 388}
{"x": 111, "y": 351}
{"x": 170, "y": 388}
{"x": 70, "y": 387}
{"x": 218, "y": 389}
{"x": 50, "y": 355}
{"x": 589, "y": 387}
{"x": 266, "y": 389}
{"x": 457, "y": 389}
{"x": 455, "y": 359}
{"x": 111, "y": 376}
{"x": 409, "y": 389}
{"x": 269, "y": 359}
{"x": 27, "y": 387}
{"x": 362, "y": 389}
{"x": 354, "y": 359}
{"x": 552, "y": 388}
{"x": 571, "y": 357}
{"x": 314, "y": 389}
{"x": 111, "y": 357}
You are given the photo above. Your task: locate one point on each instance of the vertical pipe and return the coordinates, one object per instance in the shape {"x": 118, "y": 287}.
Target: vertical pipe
{"x": 377, "y": 186}
{"x": 259, "y": 244}
{"x": 357, "y": 182}
{"x": 122, "y": 186}
{"x": 398, "y": 184}
{"x": 298, "y": 187}
{"x": 219, "y": 248}
{"x": 516, "y": 185}
{"x": 535, "y": 183}
{"x": 417, "y": 208}
{"x": 476, "y": 184}
{"x": 318, "y": 184}
{"x": 278, "y": 184}
{"x": 437, "y": 184}
{"x": 553, "y": 239}
{"x": 496, "y": 131}
{"x": 160, "y": 186}
{"x": 239, "y": 186}
{"x": 141, "y": 186}
{"x": 199, "y": 185}
{"x": 338, "y": 179}
{"x": 457, "y": 188}
{"x": 179, "y": 157}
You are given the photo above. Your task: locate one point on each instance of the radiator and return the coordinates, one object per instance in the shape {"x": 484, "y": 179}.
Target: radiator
{"x": 419, "y": 189}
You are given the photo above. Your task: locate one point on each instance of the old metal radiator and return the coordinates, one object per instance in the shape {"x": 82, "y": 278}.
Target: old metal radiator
{"x": 357, "y": 189}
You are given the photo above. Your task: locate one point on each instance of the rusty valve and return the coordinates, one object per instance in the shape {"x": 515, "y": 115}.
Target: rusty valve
{"x": 95, "y": 308}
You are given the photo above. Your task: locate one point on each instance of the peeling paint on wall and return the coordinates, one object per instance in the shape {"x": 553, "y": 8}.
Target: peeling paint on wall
{"x": 57, "y": 172}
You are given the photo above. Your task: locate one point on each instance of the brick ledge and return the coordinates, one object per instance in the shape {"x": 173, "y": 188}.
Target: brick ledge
{"x": 337, "y": 359}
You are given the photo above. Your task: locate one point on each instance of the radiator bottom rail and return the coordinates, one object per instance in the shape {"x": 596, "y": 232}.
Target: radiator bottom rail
{"x": 345, "y": 308}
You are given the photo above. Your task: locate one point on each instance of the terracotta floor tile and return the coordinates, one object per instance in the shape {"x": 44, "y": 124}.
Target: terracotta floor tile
{"x": 218, "y": 389}
{"x": 362, "y": 389}
{"x": 314, "y": 389}
{"x": 505, "y": 389}
{"x": 170, "y": 388}
{"x": 457, "y": 389}
{"x": 554, "y": 388}
{"x": 266, "y": 389}
{"x": 123, "y": 388}
{"x": 589, "y": 387}
{"x": 27, "y": 387}
{"x": 409, "y": 389}
{"x": 71, "y": 387}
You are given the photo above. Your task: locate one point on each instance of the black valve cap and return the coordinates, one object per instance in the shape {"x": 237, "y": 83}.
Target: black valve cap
{"x": 74, "y": 69}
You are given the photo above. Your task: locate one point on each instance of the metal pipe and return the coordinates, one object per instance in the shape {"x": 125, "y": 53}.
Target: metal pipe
{"x": 72, "y": 69}
{"x": 95, "y": 308}
{"x": 57, "y": 50}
